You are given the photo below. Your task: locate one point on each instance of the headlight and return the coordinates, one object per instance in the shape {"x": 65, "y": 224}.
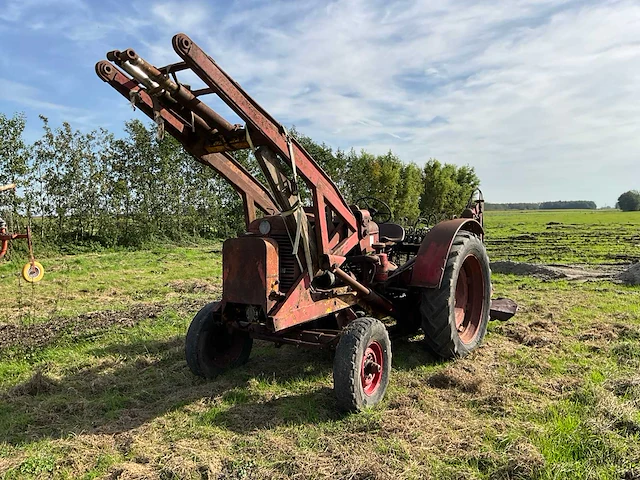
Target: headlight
{"x": 265, "y": 227}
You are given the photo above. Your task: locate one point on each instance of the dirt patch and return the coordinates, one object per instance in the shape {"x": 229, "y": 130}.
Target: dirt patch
{"x": 459, "y": 378}
{"x": 37, "y": 384}
{"x": 524, "y": 460}
{"x": 540, "y": 333}
{"x": 194, "y": 286}
{"x": 630, "y": 276}
{"x": 556, "y": 272}
{"x": 626, "y": 387}
{"x": 603, "y": 332}
{"x": 132, "y": 471}
{"x": 41, "y": 334}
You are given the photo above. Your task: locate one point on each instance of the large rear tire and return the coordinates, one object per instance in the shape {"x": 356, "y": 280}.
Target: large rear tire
{"x": 455, "y": 316}
{"x": 362, "y": 364}
{"x": 211, "y": 347}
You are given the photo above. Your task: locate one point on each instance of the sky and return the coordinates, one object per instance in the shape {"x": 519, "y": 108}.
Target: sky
{"x": 541, "y": 97}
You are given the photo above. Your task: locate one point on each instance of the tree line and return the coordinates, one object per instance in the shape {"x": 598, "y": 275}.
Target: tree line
{"x": 557, "y": 205}
{"x": 100, "y": 190}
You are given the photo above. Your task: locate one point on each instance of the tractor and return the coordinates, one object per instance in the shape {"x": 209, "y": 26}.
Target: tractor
{"x": 319, "y": 274}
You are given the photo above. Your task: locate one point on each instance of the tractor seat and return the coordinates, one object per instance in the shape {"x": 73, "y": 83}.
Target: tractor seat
{"x": 390, "y": 232}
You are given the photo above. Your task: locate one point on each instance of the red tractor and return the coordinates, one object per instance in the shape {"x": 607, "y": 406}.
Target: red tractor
{"x": 321, "y": 275}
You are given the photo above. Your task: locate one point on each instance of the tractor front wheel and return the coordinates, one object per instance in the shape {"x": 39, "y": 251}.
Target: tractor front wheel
{"x": 211, "y": 347}
{"x": 362, "y": 364}
{"x": 455, "y": 316}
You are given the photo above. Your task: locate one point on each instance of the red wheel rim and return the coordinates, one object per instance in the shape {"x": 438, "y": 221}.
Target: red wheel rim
{"x": 371, "y": 369}
{"x": 469, "y": 299}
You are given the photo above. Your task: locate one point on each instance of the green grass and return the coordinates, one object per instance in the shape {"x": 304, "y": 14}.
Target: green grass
{"x": 554, "y": 393}
{"x": 564, "y": 236}
{"x": 76, "y": 284}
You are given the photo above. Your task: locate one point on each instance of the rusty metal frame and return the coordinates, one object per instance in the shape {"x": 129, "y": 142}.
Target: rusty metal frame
{"x": 5, "y": 238}
{"x": 208, "y": 136}
{"x": 299, "y": 337}
{"x": 262, "y": 125}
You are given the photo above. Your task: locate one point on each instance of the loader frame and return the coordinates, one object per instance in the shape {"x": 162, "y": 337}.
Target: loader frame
{"x": 209, "y": 138}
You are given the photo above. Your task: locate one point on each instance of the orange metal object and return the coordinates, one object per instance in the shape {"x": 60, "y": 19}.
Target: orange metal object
{"x": 250, "y": 271}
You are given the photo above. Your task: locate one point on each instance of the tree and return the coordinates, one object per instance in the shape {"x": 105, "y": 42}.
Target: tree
{"x": 629, "y": 201}
{"x": 13, "y": 162}
{"x": 374, "y": 176}
{"x": 446, "y": 188}
{"x": 409, "y": 191}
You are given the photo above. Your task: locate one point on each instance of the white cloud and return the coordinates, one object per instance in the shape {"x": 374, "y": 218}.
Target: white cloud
{"x": 536, "y": 95}
{"x": 539, "y": 95}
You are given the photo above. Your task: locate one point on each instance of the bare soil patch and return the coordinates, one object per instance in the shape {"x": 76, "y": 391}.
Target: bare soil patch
{"x": 557, "y": 271}
{"x": 540, "y": 333}
{"x": 41, "y": 334}
{"x": 194, "y": 286}
{"x": 466, "y": 380}
{"x": 132, "y": 471}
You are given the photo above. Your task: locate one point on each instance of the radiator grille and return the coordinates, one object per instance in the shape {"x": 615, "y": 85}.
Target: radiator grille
{"x": 288, "y": 263}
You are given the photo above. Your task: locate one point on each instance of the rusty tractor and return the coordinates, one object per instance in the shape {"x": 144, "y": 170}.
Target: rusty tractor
{"x": 32, "y": 271}
{"x": 321, "y": 275}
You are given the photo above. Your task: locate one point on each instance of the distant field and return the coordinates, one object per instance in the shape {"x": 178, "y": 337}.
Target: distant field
{"x": 564, "y": 236}
{"x": 93, "y": 382}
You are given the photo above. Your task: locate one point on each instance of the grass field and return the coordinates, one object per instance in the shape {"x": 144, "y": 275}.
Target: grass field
{"x": 569, "y": 236}
{"x": 93, "y": 383}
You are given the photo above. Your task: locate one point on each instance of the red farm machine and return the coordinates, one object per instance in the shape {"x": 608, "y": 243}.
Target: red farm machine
{"x": 319, "y": 275}
{"x": 32, "y": 271}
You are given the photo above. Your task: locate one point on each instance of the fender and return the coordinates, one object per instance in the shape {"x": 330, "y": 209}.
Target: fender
{"x": 431, "y": 259}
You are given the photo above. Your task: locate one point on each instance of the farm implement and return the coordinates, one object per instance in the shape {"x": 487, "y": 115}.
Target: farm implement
{"x": 320, "y": 275}
{"x": 33, "y": 271}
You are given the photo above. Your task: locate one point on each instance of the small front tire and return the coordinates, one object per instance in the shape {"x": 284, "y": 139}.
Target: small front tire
{"x": 362, "y": 364}
{"x": 211, "y": 347}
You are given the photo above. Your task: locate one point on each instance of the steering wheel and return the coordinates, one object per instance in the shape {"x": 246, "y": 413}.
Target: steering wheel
{"x": 379, "y": 215}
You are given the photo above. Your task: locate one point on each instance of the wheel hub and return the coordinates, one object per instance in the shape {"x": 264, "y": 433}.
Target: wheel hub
{"x": 469, "y": 299}
{"x": 371, "y": 370}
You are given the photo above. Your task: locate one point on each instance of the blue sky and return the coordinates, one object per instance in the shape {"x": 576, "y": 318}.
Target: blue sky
{"x": 542, "y": 97}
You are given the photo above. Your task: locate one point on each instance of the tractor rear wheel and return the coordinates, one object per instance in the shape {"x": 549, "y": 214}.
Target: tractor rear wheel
{"x": 211, "y": 347}
{"x": 362, "y": 364}
{"x": 455, "y": 316}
